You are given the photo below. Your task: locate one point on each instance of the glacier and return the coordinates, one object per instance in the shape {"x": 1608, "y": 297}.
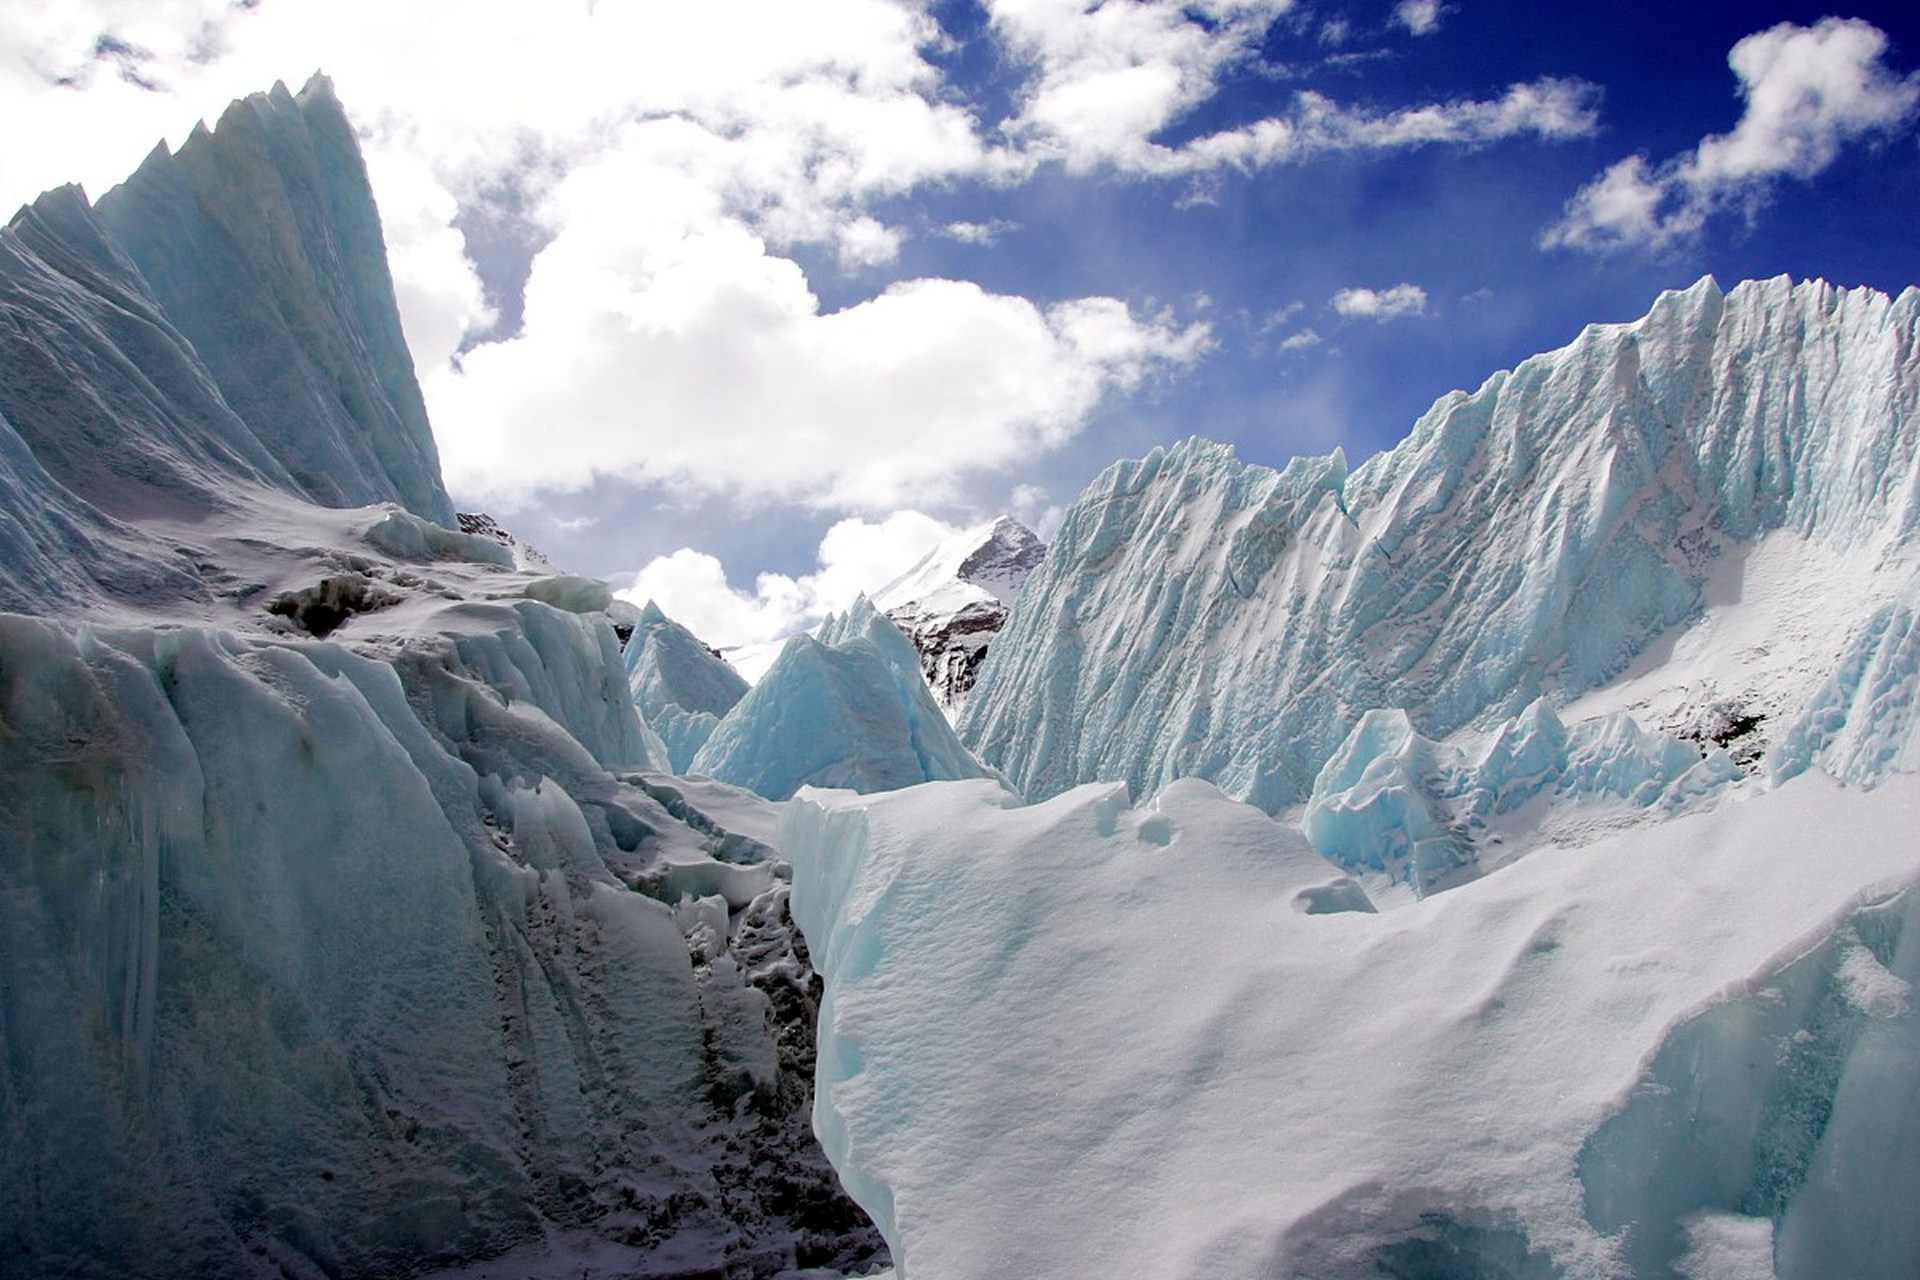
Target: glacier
{"x": 354, "y": 926}
{"x": 1201, "y": 617}
{"x": 847, "y": 707}
{"x": 1496, "y": 859}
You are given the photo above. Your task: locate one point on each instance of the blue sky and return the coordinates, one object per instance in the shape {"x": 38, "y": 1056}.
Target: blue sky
{"x": 756, "y": 299}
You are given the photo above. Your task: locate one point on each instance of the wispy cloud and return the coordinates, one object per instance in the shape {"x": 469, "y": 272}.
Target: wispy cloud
{"x": 1809, "y": 92}
{"x": 980, "y": 233}
{"x": 1381, "y": 304}
{"x": 1108, "y": 79}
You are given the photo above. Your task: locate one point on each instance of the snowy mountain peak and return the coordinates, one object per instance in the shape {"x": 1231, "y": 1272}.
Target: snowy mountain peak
{"x": 955, "y": 599}
{"x": 994, "y": 558}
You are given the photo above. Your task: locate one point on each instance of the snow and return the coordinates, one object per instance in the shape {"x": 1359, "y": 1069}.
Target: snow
{"x": 1080, "y": 1038}
{"x": 848, "y": 709}
{"x": 989, "y": 561}
{"x": 955, "y": 600}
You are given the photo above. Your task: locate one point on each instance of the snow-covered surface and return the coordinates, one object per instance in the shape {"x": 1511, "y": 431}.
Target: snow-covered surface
{"x": 990, "y": 561}
{"x": 1670, "y": 488}
{"x": 846, "y": 709}
{"x": 1080, "y": 1039}
{"x": 955, "y": 600}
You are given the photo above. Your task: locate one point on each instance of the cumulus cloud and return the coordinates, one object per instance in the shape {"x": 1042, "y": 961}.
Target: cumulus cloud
{"x": 1381, "y": 304}
{"x": 1809, "y": 92}
{"x": 1300, "y": 341}
{"x": 697, "y": 357}
{"x": 856, "y": 556}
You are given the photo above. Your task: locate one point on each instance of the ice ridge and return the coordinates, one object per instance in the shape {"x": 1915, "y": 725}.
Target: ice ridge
{"x": 681, "y": 687}
{"x": 1197, "y": 616}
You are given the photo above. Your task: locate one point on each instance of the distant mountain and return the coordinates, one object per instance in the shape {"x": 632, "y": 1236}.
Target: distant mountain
{"x": 955, "y": 600}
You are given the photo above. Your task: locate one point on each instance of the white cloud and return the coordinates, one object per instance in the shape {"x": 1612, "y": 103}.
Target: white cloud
{"x": 695, "y": 357}
{"x": 1108, "y": 78}
{"x": 855, "y": 556}
{"x": 1300, "y": 341}
{"x": 1421, "y": 17}
{"x": 1809, "y": 92}
{"x": 867, "y": 242}
{"x": 1381, "y": 304}
{"x": 1550, "y": 109}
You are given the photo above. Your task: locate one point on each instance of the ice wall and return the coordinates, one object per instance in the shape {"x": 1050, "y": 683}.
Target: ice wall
{"x": 220, "y": 325}
{"x": 1434, "y": 814}
{"x": 88, "y": 353}
{"x": 1197, "y": 616}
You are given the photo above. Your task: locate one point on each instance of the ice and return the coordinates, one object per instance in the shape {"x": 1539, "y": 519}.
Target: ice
{"x": 1085, "y": 1039}
{"x": 847, "y": 709}
{"x": 1559, "y": 530}
{"x": 680, "y": 685}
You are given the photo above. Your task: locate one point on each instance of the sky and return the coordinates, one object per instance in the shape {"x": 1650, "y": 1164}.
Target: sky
{"x": 743, "y": 305}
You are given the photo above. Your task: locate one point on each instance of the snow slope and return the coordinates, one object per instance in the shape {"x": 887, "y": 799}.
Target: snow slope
{"x": 955, "y": 600}
{"x": 349, "y": 928}
{"x": 1080, "y": 1039}
{"x": 1606, "y": 515}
